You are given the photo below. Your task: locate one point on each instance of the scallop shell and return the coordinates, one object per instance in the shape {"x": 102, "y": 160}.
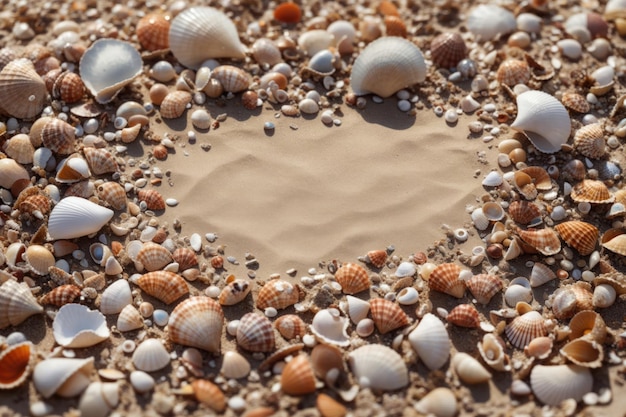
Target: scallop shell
{"x": 491, "y": 349}
{"x": 445, "y": 278}
{"x": 22, "y": 91}
{"x": 543, "y": 119}
{"x": 512, "y": 72}
{"x": 151, "y": 356}
{"x": 209, "y": 394}
{"x": 58, "y": 136}
{"x": 185, "y": 258}
{"x": 588, "y": 324}
{"x": 16, "y": 362}
{"x": 279, "y": 294}
{"x": 153, "y": 31}
{"x": 75, "y": 217}
{"x": 387, "y": 65}
{"x": 154, "y": 200}
{"x": 234, "y": 292}
{"x": 447, "y": 49}
{"x": 255, "y": 333}
{"x": 154, "y": 256}
{"x": 376, "y": 257}
{"x": 431, "y": 341}
{"x": 17, "y": 303}
{"x": 115, "y": 297}
{"x": 574, "y": 170}
{"x": 589, "y": 141}
{"x": 524, "y": 212}
{"x": 65, "y": 377}
{"x": 174, "y": 104}
{"x": 614, "y": 242}
{"x": 61, "y": 295}
{"x": 464, "y": 315}
{"x": 39, "y": 259}
{"x": 545, "y": 240}
{"x": 112, "y": 194}
{"x": 129, "y": 319}
{"x": 554, "y": 384}
{"x": 76, "y": 326}
{"x": 297, "y": 377}
{"x": 525, "y": 328}
{"x": 580, "y": 235}
{"x": 166, "y": 286}
{"x": 387, "y": 315}
{"x": 575, "y": 102}
{"x": 541, "y": 274}
{"x": 100, "y": 161}
{"x": 539, "y": 177}
{"x": 197, "y": 322}
{"x": 468, "y": 369}
{"x": 489, "y": 21}
{"x": 20, "y": 148}
{"x": 232, "y": 79}
{"x": 200, "y": 33}
{"x": 591, "y": 191}
{"x": 329, "y": 326}
{"x": 484, "y": 286}
{"x": 290, "y": 326}
{"x": 353, "y": 278}
{"x": 355, "y": 308}
{"x": 378, "y": 367}
{"x": 235, "y": 365}
{"x": 584, "y": 352}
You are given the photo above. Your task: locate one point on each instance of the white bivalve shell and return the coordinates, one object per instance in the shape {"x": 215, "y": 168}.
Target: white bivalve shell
{"x": 76, "y": 326}
{"x": 469, "y": 370}
{"x": 151, "y": 356}
{"x": 66, "y": 377}
{"x": 488, "y": 21}
{"x": 440, "y": 402}
{"x": 554, "y": 384}
{"x": 431, "y": 341}
{"x": 378, "y": 367}
{"x": 387, "y": 65}
{"x": 99, "y": 399}
{"x": 115, "y": 297}
{"x": 76, "y": 217}
{"x": 543, "y": 119}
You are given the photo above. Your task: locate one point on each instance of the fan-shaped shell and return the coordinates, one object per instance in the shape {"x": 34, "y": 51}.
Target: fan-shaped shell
{"x": 153, "y": 31}
{"x": 525, "y": 328}
{"x": 445, "y": 278}
{"x": 154, "y": 200}
{"x": 232, "y": 79}
{"x": 524, "y": 212}
{"x": 15, "y": 364}
{"x": 584, "y": 352}
{"x": 255, "y": 333}
{"x": 112, "y": 194}
{"x": 154, "y": 256}
{"x": 447, "y": 49}
{"x": 163, "y": 285}
{"x": 115, "y": 297}
{"x": 75, "y": 217}
{"x": 539, "y": 177}
{"x": 541, "y": 274}
{"x": 353, "y": 278}
{"x": 387, "y": 315}
{"x": 129, "y": 319}
{"x": 100, "y": 161}
{"x": 580, "y": 235}
{"x": 197, "y": 322}
{"x": 543, "y": 119}
{"x": 234, "y": 292}
{"x": 464, "y": 315}
{"x": 484, "y": 286}
{"x": 22, "y": 91}
{"x": 376, "y": 257}
{"x": 554, "y": 384}
{"x": 185, "y": 257}
{"x": 512, "y": 72}
{"x": 76, "y": 326}
{"x": 589, "y": 141}
{"x": 17, "y": 303}
{"x": 545, "y": 240}
{"x": 330, "y": 327}
{"x": 200, "y": 33}
{"x": 290, "y": 326}
{"x": 591, "y": 191}
{"x": 614, "y": 242}
{"x": 431, "y": 341}
{"x": 20, "y": 148}
{"x": 297, "y": 377}
{"x": 151, "y": 356}
{"x": 468, "y": 369}
{"x": 488, "y": 21}
{"x": 279, "y": 294}
{"x": 378, "y": 367}
{"x": 58, "y": 136}
{"x": 66, "y": 377}
{"x": 174, "y": 104}
{"x": 387, "y": 65}
{"x": 61, "y": 295}
{"x": 107, "y": 66}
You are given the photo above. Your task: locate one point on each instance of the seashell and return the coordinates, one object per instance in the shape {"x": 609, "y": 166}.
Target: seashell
{"x": 580, "y": 235}
{"x": 468, "y": 369}
{"x": 512, "y": 72}
{"x": 376, "y": 257}
{"x": 539, "y": 177}
{"x": 265, "y": 51}
{"x": 524, "y": 212}
{"x": 151, "y": 356}
{"x": 153, "y": 256}
{"x": 17, "y": 303}
{"x": 217, "y": 262}
{"x": 58, "y": 136}
{"x": 11, "y": 172}
{"x": 591, "y": 191}
{"x": 604, "y": 296}
{"x": 185, "y": 257}
{"x": 378, "y": 367}
{"x": 174, "y": 104}
{"x": 99, "y": 399}
{"x": 279, "y": 294}
{"x": 141, "y": 381}
{"x": 39, "y": 259}
{"x": 543, "y": 119}
{"x": 574, "y": 170}
{"x": 34, "y": 202}
{"x": 593, "y": 23}
{"x": 72, "y": 169}
{"x": 255, "y": 333}
{"x": 575, "y": 102}
{"x": 23, "y": 93}
{"x": 234, "y": 292}
{"x": 525, "y": 328}
{"x": 129, "y": 319}
{"x": 431, "y": 341}
{"x": 82, "y": 189}
{"x": 76, "y": 326}
{"x": 290, "y": 326}
{"x": 129, "y": 134}
{"x": 609, "y": 170}
{"x": 539, "y": 347}
{"x": 491, "y": 349}
{"x": 440, "y": 402}
{"x": 166, "y": 286}
{"x": 154, "y": 200}
{"x": 20, "y": 148}
{"x": 327, "y": 362}
{"x": 201, "y": 33}
{"x": 297, "y": 377}
{"x": 545, "y": 240}
{"x": 232, "y": 79}
{"x": 589, "y": 141}
{"x": 153, "y": 32}
{"x": 355, "y": 308}
{"x": 330, "y": 327}
{"x": 492, "y": 179}
{"x": 113, "y": 194}
{"x": 345, "y": 35}
{"x": 353, "y": 278}
{"x": 564, "y": 303}
{"x": 209, "y": 394}
{"x": 519, "y": 289}
{"x": 541, "y": 274}
{"x": 115, "y": 297}
{"x": 69, "y": 87}
{"x": 407, "y": 296}
{"x": 75, "y": 217}
{"x": 615, "y": 241}
{"x": 483, "y": 287}
{"x": 395, "y": 26}
{"x": 447, "y": 49}
{"x": 328, "y": 407}
{"x": 555, "y": 383}
{"x": 61, "y": 295}
{"x": 445, "y": 278}
{"x": 613, "y": 278}
{"x": 387, "y": 315}
{"x": 405, "y": 269}
{"x": 584, "y": 352}
{"x": 65, "y": 377}
{"x": 100, "y": 161}
{"x": 588, "y": 324}
{"x": 464, "y": 315}
{"x": 279, "y": 355}
{"x": 235, "y": 365}
{"x": 480, "y": 220}
{"x": 16, "y": 362}
{"x": 493, "y": 211}
{"x": 316, "y": 40}
{"x": 288, "y": 12}
{"x": 387, "y": 65}
{"x": 197, "y": 322}
{"x": 107, "y": 66}
{"x": 487, "y": 22}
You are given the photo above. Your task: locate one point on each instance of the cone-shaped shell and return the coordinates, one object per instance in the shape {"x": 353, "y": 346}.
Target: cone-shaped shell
{"x": 197, "y": 322}
{"x": 66, "y": 377}
{"x": 387, "y": 65}
{"x": 545, "y": 240}
{"x": 431, "y": 341}
{"x": 387, "y": 315}
{"x": 584, "y": 352}
{"x": 554, "y": 384}
{"x": 17, "y": 303}
{"x": 582, "y": 236}
{"x": 255, "y": 333}
{"x": 279, "y": 294}
{"x": 15, "y": 364}
{"x": 115, "y": 297}
{"x": 484, "y": 286}
{"x": 468, "y": 369}
{"x": 154, "y": 256}
{"x": 61, "y": 295}
{"x": 445, "y": 278}
{"x": 22, "y": 91}
{"x": 297, "y": 377}
{"x": 76, "y": 326}
{"x": 525, "y": 328}
{"x": 591, "y": 191}
{"x": 464, "y": 315}
{"x": 164, "y": 285}
{"x": 200, "y": 33}
{"x": 378, "y": 367}
{"x": 353, "y": 278}
{"x": 543, "y": 119}
{"x": 75, "y": 217}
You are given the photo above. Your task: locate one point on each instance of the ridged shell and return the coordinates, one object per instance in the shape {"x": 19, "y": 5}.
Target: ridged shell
{"x": 115, "y": 297}
{"x": 525, "y": 328}
{"x": 100, "y": 161}
{"x": 330, "y": 327}
{"x": 154, "y": 200}
{"x": 197, "y": 322}
{"x": 464, "y": 315}
{"x": 584, "y": 352}
{"x": 153, "y": 32}
{"x": 76, "y": 326}
{"x": 82, "y": 189}
{"x": 36, "y": 204}
{"x": 589, "y": 141}
{"x": 491, "y": 349}
{"x": 431, "y": 341}
{"x": 255, "y": 333}
{"x": 297, "y": 377}
{"x": 15, "y": 364}
{"x": 613, "y": 278}
{"x": 113, "y": 194}
{"x": 564, "y": 303}
{"x": 574, "y": 170}
{"x": 209, "y": 394}
{"x": 17, "y": 303}
{"x": 484, "y": 286}
{"x": 387, "y": 315}
{"x": 20, "y": 148}
{"x": 65, "y": 377}
{"x": 589, "y": 325}
{"x": 614, "y": 242}
{"x": 445, "y": 278}
{"x": 234, "y": 292}
{"x": 539, "y": 177}
{"x": 129, "y": 319}
{"x": 61, "y": 295}
{"x": 488, "y": 21}
{"x": 554, "y": 384}
{"x": 68, "y": 87}
{"x": 540, "y": 274}
{"x": 76, "y": 217}
{"x": 580, "y": 235}
{"x": 468, "y": 369}
{"x": 163, "y": 285}
{"x": 154, "y": 256}
{"x": 447, "y": 49}
{"x": 200, "y": 33}
{"x": 290, "y": 326}
{"x": 512, "y": 72}
{"x": 575, "y": 102}
{"x": 174, "y": 104}
{"x": 151, "y": 356}
{"x": 543, "y": 119}
{"x": 58, "y": 136}
{"x": 353, "y": 278}
{"x": 378, "y": 367}
{"x": 387, "y": 65}
{"x": 376, "y": 257}
{"x": 591, "y": 191}
{"x": 22, "y": 91}
{"x": 279, "y": 294}
{"x": 232, "y": 79}
{"x": 524, "y": 212}
{"x": 185, "y": 257}
{"x": 545, "y": 240}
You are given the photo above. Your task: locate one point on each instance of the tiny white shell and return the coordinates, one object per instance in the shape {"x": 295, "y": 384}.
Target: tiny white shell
{"x": 76, "y": 217}
{"x": 77, "y": 326}
{"x": 431, "y": 341}
{"x": 604, "y": 295}
{"x": 407, "y": 296}
{"x": 151, "y": 356}
{"x": 378, "y": 367}
{"x": 492, "y": 179}
{"x": 141, "y": 381}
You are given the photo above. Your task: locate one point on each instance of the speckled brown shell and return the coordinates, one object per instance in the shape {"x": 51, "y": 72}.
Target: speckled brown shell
{"x": 545, "y": 240}
{"x": 575, "y": 102}
{"x": 387, "y": 315}
{"x": 166, "y": 286}
{"x": 589, "y": 141}
{"x": 153, "y": 32}
{"x": 255, "y": 333}
{"x": 525, "y": 328}
{"x": 376, "y": 257}
{"x": 61, "y": 295}
{"x": 445, "y": 278}
{"x": 232, "y": 79}
{"x": 464, "y": 315}
{"x": 484, "y": 286}
{"x": 524, "y": 212}
{"x": 591, "y": 191}
{"x": 69, "y": 87}
{"x": 22, "y": 91}
{"x": 574, "y": 170}
{"x": 580, "y": 235}
{"x": 279, "y": 294}
{"x": 234, "y": 292}
{"x": 447, "y": 49}
{"x": 353, "y": 278}
{"x": 154, "y": 200}
{"x": 185, "y": 257}
{"x": 513, "y": 71}
{"x": 174, "y": 104}
{"x": 197, "y": 322}
{"x": 113, "y": 194}
{"x": 100, "y": 161}
{"x": 217, "y": 262}
{"x": 58, "y": 136}
{"x": 290, "y": 326}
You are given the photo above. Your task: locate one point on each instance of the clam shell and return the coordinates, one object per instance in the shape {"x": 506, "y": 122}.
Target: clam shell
{"x": 604, "y": 296}
{"x": 554, "y": 384}
{"x": 378, "y": 367}
{"x": 265, "y": 51}
{"x": 525, "y": 328}
{"x": 61, "y": 295}
{"x": 545, "y": 240}
{"x": 330, "y": 327}
{"x": 166, "y": 286}
{"x": 20, "y": 148}
{"x": 113, "y": 194}
{"x": 151, "y": 356}
{"x": 524, "y": 212}
{"x": 541, "y": 274}
{"x": 376, "y": 257}
{"x": 153, "y": 199}
{"x": 589, "y": 141}
{"x": 440, "y": 402}
{"x": 591, "y": 191}
{"x": 22, "y": 91}
{"x": 66, "y": 377}
{"x": 279, "y": 294}
{"x": 539, "y": 347}
{"x": 290, "y": 326}
{"x": 584, "y": 352}
{"x": 488, "y": 21}
{"x": 234, "y": 292}
{"x": 491, "y": 349}
{"x": 464, "y": 315}
{"x": 154, "y": 256}
{"x": 353, "y": 278}
{"x": 326, "y": 360}
{"x": 431, "y": 341}
{"x": 387, "y": 65}
{"x": 107, "y": 66}
{"x": 539, "y": 177}
{"x": 209, "y": 394}
{"x": 200, "y": 33}
{"x": 115, "y": 297}
{"x": 72, "y": 169}
{"x": 580, "y": 235}
{"x": 512, "y": 72}
{"x": 76, "y": 326}
{"x": 484, "y": 286}
{"x": 153, "y": 32}
{"x": 100, "y": 161}
{"x": 39, "y": 259}
{"x": 235, "y": 365}
{"x": 575, "y": 102}
{"x": 468, "y": 369}
{"x": 16, "y": 362}
{"x": 445, "y": 278}
{"x": 17, "y": 303}
{"x": 174, "y": 104}
{"x": 185, "y": 258}
{"x": 232, "y": 79}
{"x": 75, "y": 217}
{"x": 129, "y": 319}
{"x": 11, "y": 172}
{"x": 543, "y": 119}
{"x": 297, "y": 377}
{"x": 255, "y": 333}
{"x": 525, "y": 185}
{"x": 447, "y": 49}
{"x": 519, "y": 289}
{"x": 58, "y": 136}
{"x": 328, "y": 406}
{"x": 387, "y": 315}
{"x": 99, "y": 399}
{"x": 197, "y": 322}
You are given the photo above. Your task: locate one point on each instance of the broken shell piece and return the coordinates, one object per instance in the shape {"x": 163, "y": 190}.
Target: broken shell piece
{"x": 491, "y": 349}
{"x": 77, "y": 326}
{"x": 584, "y": 352}
{"x": 99, "y": 399}
{"x": 331, "y": 327}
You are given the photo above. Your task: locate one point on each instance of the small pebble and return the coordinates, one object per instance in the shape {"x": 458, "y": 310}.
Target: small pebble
{"x": 268, "y": 126}
{"x": 160, "y": 317}
{"x": 171, "y": 202}
{"x": 451, "y": 116}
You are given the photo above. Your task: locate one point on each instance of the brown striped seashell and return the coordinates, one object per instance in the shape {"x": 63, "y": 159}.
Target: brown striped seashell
{"x": 445, "y": 278}
{"x": 153, "y": 32}
{"x": 539, "y": 176}
{"x": 61, "y": 295}
{"x": 232, "y": 79}
{"x": 387, "y": 315}
{"x": 129, "y": 319}
{"x": 20, "y": 148}
{"x": 166, "y": 286}
{"x": 329, "y": 407}
{"x": 33, "y": 201}
{"x": 525, "y": 328}
{"x": 58, "y": 136}
{"x": 290, "y": 326}
{"x": 23, "y": 92}
{"x": 464, "y": 315}
{"x": 69, "y": 87}
{"x": 484, "y": 286}
{"x": 185, "y": 257}
{"x": 524, "y": 212}
{"x": 584, "y": 352}
{"x": 539, "y": 347}
{"x": 217, "y": 262}
{"x": 83, "y": 189}
{"x": 524, "y": 184}
{"x": 589, "y": 325}
{"x": 174, "y": 104}
{"x": 100, "y": 161}
{"x": 113, "y": 194}
{"x": 376, "y": 257}
{"x": 16, "y": 362}
{"x": 353, "y": 278}
{"x": 154, "y": 200}
{"x": 575, "y": 102}
{"x": 589, "y": 141}
{"x": 297, "y": 377}
{"x": 512, "y": 72}
{"x": 546, "y": 241}
{"x": 395, "y": 26}
{"x": 574, "y": 170}
{"x": 279, "y": 294}
{"x": 234, "y": 292}
{"x": 255, "y": 333}
{"x": 447, "y": 49}
{"x": 584, "y": 295}
{"x": 591, "y": 191}
{"x": 580, "y": 235}
{"x": 209, "y": 394}
{"x": 491, "y": 349}
{"x": 154, "y": 256}
{"x": 197, "y": 322}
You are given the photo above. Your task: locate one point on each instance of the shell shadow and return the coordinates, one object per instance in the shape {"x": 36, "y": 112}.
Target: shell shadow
{"x": 387, "y": 114}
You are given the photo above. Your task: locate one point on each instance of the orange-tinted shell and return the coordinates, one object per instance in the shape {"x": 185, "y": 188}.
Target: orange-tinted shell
{"x": 484, "y": 286}
{"x": 163, "y": 285}
{"x": 209, "y": 394}
{"x": 524, "y": 212}
{"x": 288, "y": 12}
{"x": 255, "y": 333}
{"x": 185, "y": 257}
{"x": 513, "y": 71}
{"x": 464, "y": 315}
{"x": 377, "y": 257}
{"x": 582, "y": 236}
{"x": 591, "y": 191}
{"x": 353, "y": 278}
{"x": 34, "y": 203}
{"x": 447, "y": 49}
{"x": 232, "y": 79}
{"x": 387, "y": 315}
{"x": 154, "y": 200}
{"x": 234, "y": 292}
{"x": 100, "y": 161}
{"x": 174, "y": 104}
{"x": 445, "y": 278}
{"x": 290, "y": 326}
{"x": 395, "y": 26}
{"x": 279, "y": 294}
{"x": 589, "y": 141}
{"x": 112, "y": 194}
{"x": 545, "y": 240}
{"x": 197, "y": 322}
{"x": 217, "y": 262}
{"x": 387, "y": 8}
{"x": 153, "y": 32}
{"x": 15, "y": 364}
{"x": 539, "y": 176}
{"x": 525, "y": 328}
{"x": 61, "y": 295}
{"x": 68, "y": 87}
{"x": 575, "y": 102}
{"x": 297, "y": 377}
{"x": 58, "y": 136}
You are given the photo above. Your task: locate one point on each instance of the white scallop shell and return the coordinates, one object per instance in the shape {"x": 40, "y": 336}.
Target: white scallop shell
{"x": 115, "y": 297}
{"x": 331, "y": 327}
{"x": 387, "y": 65}
{"x": 543, "y": 119}
{"x": 76, "y": 217}
{"x": 151, "y": 356}
{"x": 553, "y": 384}
{"x": 99, "y": 399}
{"x": 431, "y": 341}
{"x": 129, "y": 319}
{"x": 76, "y": 326}
{"x": 66, "y": 377}
{"x": 200, "y": 33}
{"x": 439, "y": 402}
{"x": 107, "y": 66}
{"x": 468, "y": 369}
{"x": 488, "y": 21}
{"x": 481, "y": 222}
{"x": 541, "y": 274}
{"x": 378, "y": 367}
